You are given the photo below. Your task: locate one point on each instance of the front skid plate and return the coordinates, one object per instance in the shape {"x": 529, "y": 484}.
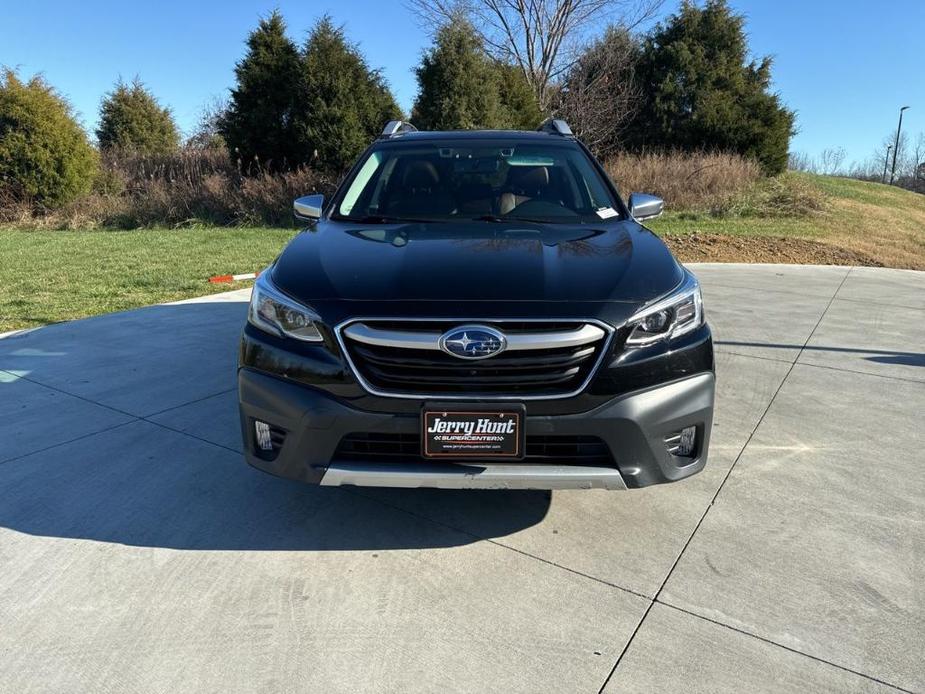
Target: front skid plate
{"x": 474, "y": 476}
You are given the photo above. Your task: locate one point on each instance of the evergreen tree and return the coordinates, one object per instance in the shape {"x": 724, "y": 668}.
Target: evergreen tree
{"x": 520, "y": 109}
{"x": 457, "y": 83}
{"x": 700, "y": 90}
{"x": 343, "y": 104}
{"x": 460, "y": 87}
{"x": 45, "y": 156}
{"x": 131, "y": 119}
{"x": 259, "y": 125}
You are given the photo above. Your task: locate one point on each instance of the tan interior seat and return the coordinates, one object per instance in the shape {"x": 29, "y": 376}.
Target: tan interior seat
{"x": 524, "y": 183}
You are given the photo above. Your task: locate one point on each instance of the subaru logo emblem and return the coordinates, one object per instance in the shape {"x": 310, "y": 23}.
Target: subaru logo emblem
{"x": 473, "y": 342}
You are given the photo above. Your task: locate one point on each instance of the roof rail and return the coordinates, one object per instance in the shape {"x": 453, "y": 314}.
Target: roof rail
{"x": 397, "y": 127}
{"x": 554, "y": 126}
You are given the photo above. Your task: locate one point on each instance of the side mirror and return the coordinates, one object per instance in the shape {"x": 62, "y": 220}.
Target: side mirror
{"x": 308, "y": 207}
{"x": 643, "y": 206}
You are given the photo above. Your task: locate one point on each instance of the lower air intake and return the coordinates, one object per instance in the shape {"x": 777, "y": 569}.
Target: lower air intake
{"x": 404, "y": 448}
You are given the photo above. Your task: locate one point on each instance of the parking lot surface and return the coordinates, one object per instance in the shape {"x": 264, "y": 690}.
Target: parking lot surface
{"x": 138, "y": 552}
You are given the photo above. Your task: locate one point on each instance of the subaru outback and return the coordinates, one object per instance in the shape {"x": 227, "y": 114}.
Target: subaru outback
{"x": 477, "y": 309}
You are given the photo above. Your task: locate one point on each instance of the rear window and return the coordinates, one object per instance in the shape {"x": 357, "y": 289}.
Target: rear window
{"x": 433, "y": 182}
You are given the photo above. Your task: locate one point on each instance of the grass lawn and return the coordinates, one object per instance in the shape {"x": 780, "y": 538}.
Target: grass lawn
{"x": 674, "y": 223}
{"x": 50, "y": 276}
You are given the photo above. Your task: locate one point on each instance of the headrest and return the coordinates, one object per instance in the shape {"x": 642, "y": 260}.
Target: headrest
{"x": 529, "y": 177}
{"x": 420, "y": 174}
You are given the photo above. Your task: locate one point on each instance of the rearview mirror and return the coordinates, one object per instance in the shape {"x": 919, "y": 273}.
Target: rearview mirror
{"x": 643, "y": 206}
{"x": 308, "y": 207}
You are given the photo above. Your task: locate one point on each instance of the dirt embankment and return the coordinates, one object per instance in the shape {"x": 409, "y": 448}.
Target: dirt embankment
{"x": 720, "y": 248}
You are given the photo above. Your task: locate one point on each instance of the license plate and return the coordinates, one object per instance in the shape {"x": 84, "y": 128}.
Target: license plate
{"x": 473, "y": 431}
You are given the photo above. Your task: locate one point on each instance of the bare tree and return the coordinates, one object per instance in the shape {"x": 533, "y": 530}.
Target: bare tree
{"x": 917, "y": 164}
{"x": 882, "y": 158}
{"x": 868, "y": 170}
{"x": 540, "y": 36}
{"x": 910, "y": 162}
{"x": 918, "y": 151}
{"x": 206, "y": 133}
{"x": 800, "y": 161}
{"x": 830, "y": 160}
{"x": 598, "y": 96}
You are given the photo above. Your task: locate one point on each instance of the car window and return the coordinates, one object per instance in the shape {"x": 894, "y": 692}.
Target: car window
{"x": 360, "y": 182}
{"x": 425, "y": 182}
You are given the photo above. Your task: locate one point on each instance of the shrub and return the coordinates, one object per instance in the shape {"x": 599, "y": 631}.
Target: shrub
{"x": 787, "y": 195}
{"x": 132, "y": 120}
{"x": 45, "y": 157}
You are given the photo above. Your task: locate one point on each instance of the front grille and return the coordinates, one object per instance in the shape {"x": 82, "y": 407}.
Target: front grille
{"x": 540, "y": 449}
{"x": 533, "y": 372}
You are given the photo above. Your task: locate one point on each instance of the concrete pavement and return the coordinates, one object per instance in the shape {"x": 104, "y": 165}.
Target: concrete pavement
{"x": 138, "y": 553}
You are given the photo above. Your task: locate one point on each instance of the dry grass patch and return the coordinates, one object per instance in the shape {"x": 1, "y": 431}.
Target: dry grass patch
{"x": 187, "y": 188}
{"x": 698, "y": 181}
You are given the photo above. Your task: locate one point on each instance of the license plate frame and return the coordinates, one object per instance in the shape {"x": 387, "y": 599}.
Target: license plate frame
{"x": 465, "y": 442}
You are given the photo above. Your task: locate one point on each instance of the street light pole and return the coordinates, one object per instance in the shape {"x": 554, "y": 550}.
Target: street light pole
{"x": 896, "y": 146}
{"x": 886, "y": 161}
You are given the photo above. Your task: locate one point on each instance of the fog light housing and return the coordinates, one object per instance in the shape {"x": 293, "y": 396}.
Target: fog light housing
{"x": 264, "y": 440}
{"x": 682, "y": 443}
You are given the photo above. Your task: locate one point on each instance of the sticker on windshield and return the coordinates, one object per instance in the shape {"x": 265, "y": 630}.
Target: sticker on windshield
{"x": 606, "y": 213}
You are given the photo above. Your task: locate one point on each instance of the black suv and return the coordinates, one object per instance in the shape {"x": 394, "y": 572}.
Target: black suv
{"x": 478, "y": 310}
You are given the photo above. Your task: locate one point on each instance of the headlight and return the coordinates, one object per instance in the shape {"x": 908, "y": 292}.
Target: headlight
{"x": 277, "y": 314}
{"x": 677, "y": 314}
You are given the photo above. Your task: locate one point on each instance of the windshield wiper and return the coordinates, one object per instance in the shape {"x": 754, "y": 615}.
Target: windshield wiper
{"x": 514, "y": 218}
{"x": 387, "y": 219}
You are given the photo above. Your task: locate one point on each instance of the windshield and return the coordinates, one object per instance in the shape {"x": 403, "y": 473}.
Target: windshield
{"x": 428, "y": 182}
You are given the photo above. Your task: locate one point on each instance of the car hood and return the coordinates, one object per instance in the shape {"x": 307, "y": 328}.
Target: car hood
{"x": 619, "y": 261}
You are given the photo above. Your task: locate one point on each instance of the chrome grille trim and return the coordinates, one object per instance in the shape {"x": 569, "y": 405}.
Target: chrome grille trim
{"x": 391, "y": 338}
{"x": 361, "y": 332}
{"x": 606, "y": 331}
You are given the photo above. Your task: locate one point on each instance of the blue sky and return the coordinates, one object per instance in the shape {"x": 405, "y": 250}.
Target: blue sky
{"x": 845, "y": 66}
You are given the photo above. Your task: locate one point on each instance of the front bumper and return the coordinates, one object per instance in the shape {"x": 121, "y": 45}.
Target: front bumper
{"x": 633, "y": 426}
